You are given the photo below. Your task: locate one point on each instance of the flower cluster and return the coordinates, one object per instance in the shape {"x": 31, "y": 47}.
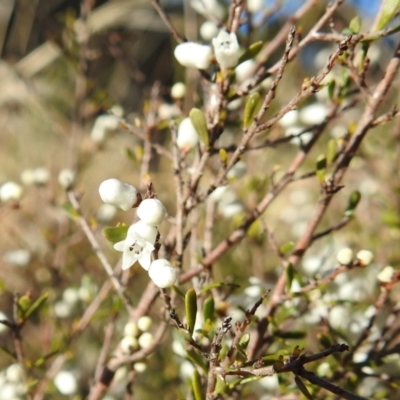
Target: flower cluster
{"x": 141, "y": 236}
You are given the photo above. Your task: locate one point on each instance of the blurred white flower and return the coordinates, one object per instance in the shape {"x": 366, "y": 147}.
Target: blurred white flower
{"x": 209, "y": 8}
{"x": 129, "y": 344}
{"x": 71, "y": 296}
{"x": 194, "y": 55}
{"x": 229, "y": 210}
{"x": 62, "y": 309}
{"x": 131, "y": 329}
{"x": 10, "y": 191}
{"x": 298, "y": 140}
{"x": 243, "y": 70}
{"x": 208, "y": 30}
{"x": 17, "y": 258}
{"x": 217, "y": 194}
{"x": 324, "y": 369}
{"x": 345, "y": 256}
{"x": 168, "y": 111}
{"x": 41, "y": 176}
{"x": 365, "y": 257}
{"x": 255, "y": 5}
{"x": 386, "y": 274}
{"x": 103, "y": 124}
{"x": 15, "y": 373}
{"x": 106, "y": 212}
{"x": 270, "y": 383}
{"x": 162, "y": 273}
{"x": 145, "y": 340}
{"x": 66, "y": 383}
{"x": 140, "y": 367}
{"x": 186, "y": 369}
{"x": 119, "y": 194}
{"x": 187, "y": 137}
{"x": 144, "y": 323}
{"x": 178, "y": 90}
{"x": 226, "y": 49}
{"x": 313, "y": 114}
{"x": 289, "y": 119}
{"x": 151, "y": 212}
{"x": 66, "y": 177}
{"x": 28, "y": 176}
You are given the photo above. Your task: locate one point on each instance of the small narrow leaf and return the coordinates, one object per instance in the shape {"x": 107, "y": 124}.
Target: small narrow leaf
{"x": 223, "y": 156}
{"x": 286, "y": 248}
{"x": 355, "y": 24}
{"x": 302, "y": 388}
{"x": 321, "y": 169}
{"x": 251, "y": 52}
{"x": 23, "y": 304}
{"x": 354, "y": 199}
{"x": 130, "y": 155}
{"x": 289, "y": 276}
{"x": 191, "y": 308}
{"x": 197, "y": 359}
{"x": 37, "y": 304}
{"x": 331, "y": 89}
{"x": 220, "y": 386}
{"x": 70, "y": 210}
{"x": 178, "y": 292}
{"x": 196, "y": 386}
{"x": 208, "y": 309}
{"x": 244, "y": 341}
{"x": 389, "y": 8}
{"x": 251, "y": 109}
{"x": 331, "y": 151}
{"x": 200, "y": 124}
{"x": 115, "y": 234}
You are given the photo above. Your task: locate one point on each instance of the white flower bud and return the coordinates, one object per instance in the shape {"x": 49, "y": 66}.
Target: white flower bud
{"x": 71, "y": 296}
{"x": 255, "y": 5}
{"x": 289, "y": 119}
{"x": 28, "y": 176}
{"x": 106, "y": 212}
{"x": 41, "y": 176}
{"x": 365, "y": 257}
{"x": 140, "y": 367}
{"x": 145, "y": 340}
{"x": 131, "y": 329}
{"x": 103, "y": 124}
{"x": 3, "y": 317}
{"x": 119, "y": 194}
{"x": 66, "y": 177}
{"x": 10, "y": 191}
{"x": 209, "y": 8}
{"x": 62, "y": 309}
{"x": 208, "y": 30}
{"x": 386, "y": 275}
{"x": 178, "y": 90}
{"x": 151, "y": 212}
{"x": 242, "y": 71}
{"x": 17, "y": 258}
{"x": 226, "y": 49}
{"x": 129, "y": 344}
{"x": 168, "y": 111}
{"x": 66, "y": 383}
{"x": 313, "y": 114}
{"x": 187, "y": 137}
{"x": 190, "y": 54}
{"x": 144, "y": 323}
{"x": 344, "y": 256}
{"x": 162, "y": 273}
{"x": 218, "y": 193}
{"x": 15, "y": 373}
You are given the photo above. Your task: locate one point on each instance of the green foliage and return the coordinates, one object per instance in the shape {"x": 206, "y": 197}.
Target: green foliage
{"x": 389, "y": 8}
{"x": 200, "y": 124}
{"x": 115, "y": 234}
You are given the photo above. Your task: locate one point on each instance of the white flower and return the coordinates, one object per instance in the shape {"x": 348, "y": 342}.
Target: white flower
{"x": 15, "y": 373}
{"x": 131, "y": 329}
{"x": 151, "y": 211}
{"x": 226, "y": 49}
{"x": 344, "y": 256}
{"x": 289, "y": 119}
{"x": 17, "y": 258}
{"x": 365, "y": 257}
{"x": 178, "y": 90}
{"x": 313, "y": 114}
{"x": 119, "y": 194}
{"x": 140, "y": 367}
{"x": 106, "y": 212}
{"x": 137, "y": 247}
{"x": 129, "y": 344}
{"x": 162, "y": 273}
{"x": 255, "y": 5}
{"x": 218, "y": 193}
{"x": 103, "y": 124}
{"x": 41, "y": 176}
{"x": 243, "y": 70}
{"x": 209, "y": 8}
{"x": 208, "y": 30}
{"x": 66, "y": 177}
{"x": 28, "y": 176}
{"x": 195, "y": 55}
{"x": 66, "y": 383}
{"x": 145, "y": 340}
{"x": 168, "y": 111}
{"x": 386, "y": 274}
{"x": 10, "y": 191}
{"x": 144, "y": 323}
{"x": 187, "y": 137}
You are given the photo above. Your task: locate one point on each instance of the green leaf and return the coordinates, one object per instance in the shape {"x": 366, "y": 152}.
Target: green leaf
{"x": 251, "y": 52}
{"x": 321, "y": 169}
{"x": 178, "y": 292}
{"x": 196, "y": 386}
{"x": 354, "y": 199}
{"x": 223, "y": 156}
{"x": 244, "y": 341}
{"x": 191, "y": 308}
{"x": 130, "y": 155}
{"x": 254, "y": 230}
{"x": 355, "y": 24}
{"x": 251, "y": 109}
{"x": 289, "y": 276}
{"x": 331, "y": 89}
{"x": 38, "y": 303}
{"x": 200, "y": 124}
{"x": 208, "y": 309}
{"x": 23, "y": 304}
{"x": 115, "y": 234}
{"x": 331, "y": 151}
{"x": 70, "y": 210}
{"x": 302, "y": 388}
{"x": 389, "y": 8}
{"x": 286, "y": 248}
{"x": 197, "y": 359}
{"x": 220, "y": 386}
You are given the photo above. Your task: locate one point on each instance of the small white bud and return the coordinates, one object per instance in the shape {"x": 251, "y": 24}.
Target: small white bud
{"x": 178, "y": 90}
{"x": 243, "y": 70}
{"x": 145, "y": 340}
{"x": 187, "y": 137}
{"x": 190, "y": 54}
{"x": 17, "y": 258}
{"x": 365, "y": 257}
{"x": 103, "y": 124}
{"x": 151, "y": 211}
{"x": 106, "y": 212}
{"x": 226, "y": 49}
{"x": 218, "y": 193}
{"x": 28, "y": 176}
{"x": 119, "y": 194}
{"x": 345, "y": 256}
{"x": 386, "y": 275}
{"x": 144, "y": 323}
{"x": 162, "y": 273}
{"x": 313, "y": 114}
{"x": 66, "y": 383}
{"x": 289, "y": 119}
{"x": 255, "y": 5}
{"x": 208, "y": 30}
{"x": 62, "y": 309}
{"x": 66, "y": 177}
{"x": 10, "y": 191}
{"x": 131, "y": 329}
{"x": 41, "y": 176}
{"x": 168, "y": 111}
{"x": 15, "y": 373}
{"x": 140, "y": 367}
{"x": 71, "y": 296}
{"x": 129, "y": 344}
